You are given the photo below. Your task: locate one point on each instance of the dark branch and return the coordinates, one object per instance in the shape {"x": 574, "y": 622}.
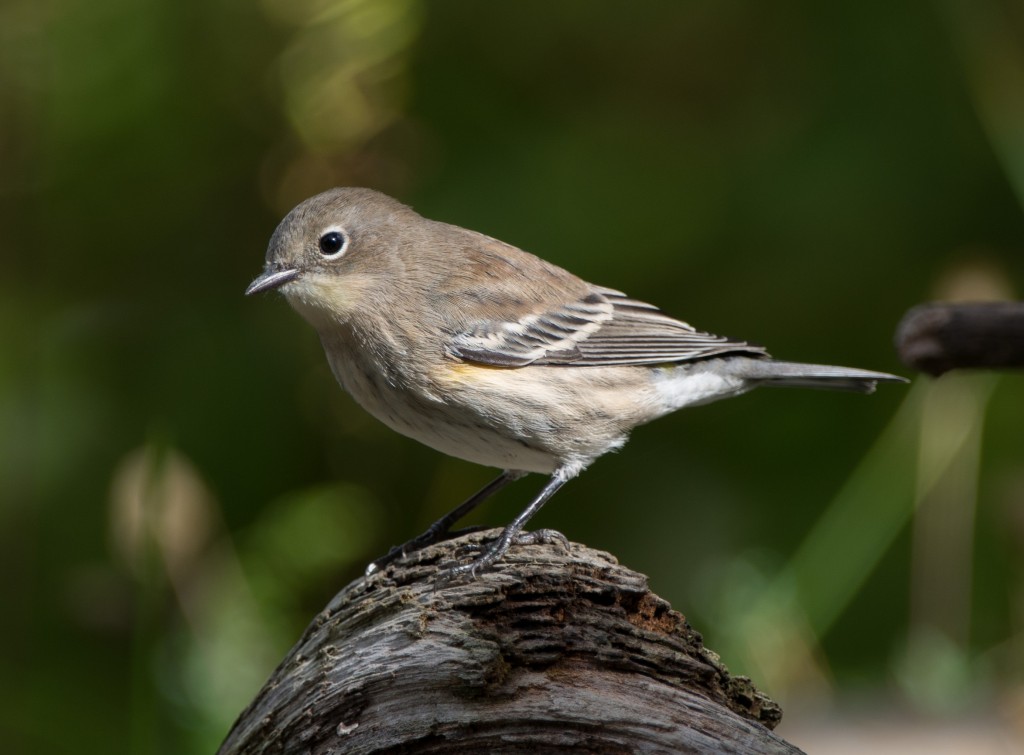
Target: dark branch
{"x": 549, "y": 651}
{"x": 939, "y": 337}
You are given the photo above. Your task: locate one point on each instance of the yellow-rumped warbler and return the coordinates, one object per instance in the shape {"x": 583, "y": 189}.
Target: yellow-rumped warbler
{"x": 490, "y": 354}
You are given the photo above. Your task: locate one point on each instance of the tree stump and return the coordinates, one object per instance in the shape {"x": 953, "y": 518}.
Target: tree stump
{"x": 547, "y": 652}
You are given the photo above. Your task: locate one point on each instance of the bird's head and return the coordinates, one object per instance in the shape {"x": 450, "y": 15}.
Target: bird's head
{"x": 334, "y": 251}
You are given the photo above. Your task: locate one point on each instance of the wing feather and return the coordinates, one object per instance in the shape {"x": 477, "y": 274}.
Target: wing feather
{"x": 605, "y": 327}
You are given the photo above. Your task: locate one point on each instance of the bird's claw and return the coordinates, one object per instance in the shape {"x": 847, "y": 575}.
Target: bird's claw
{"x": 396, "y": 552}
{"x": 542, "y": 537}
{"x": 497, "y": 550}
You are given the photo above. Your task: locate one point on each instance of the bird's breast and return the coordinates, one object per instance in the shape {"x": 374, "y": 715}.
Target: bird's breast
{"x": 410, "y": 400}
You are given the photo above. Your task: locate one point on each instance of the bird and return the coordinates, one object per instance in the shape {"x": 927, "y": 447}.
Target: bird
{"x": 490, "y": 354}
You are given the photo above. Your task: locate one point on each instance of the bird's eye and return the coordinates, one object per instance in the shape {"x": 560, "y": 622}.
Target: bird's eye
{"x": 333, "y": 244}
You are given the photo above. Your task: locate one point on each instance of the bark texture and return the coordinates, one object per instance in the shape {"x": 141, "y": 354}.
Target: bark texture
{"x": 548, "y": 652}
{"x": 939, "y": 337}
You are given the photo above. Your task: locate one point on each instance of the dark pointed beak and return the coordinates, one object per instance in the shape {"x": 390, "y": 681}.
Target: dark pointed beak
{"x": 270, "y": 278}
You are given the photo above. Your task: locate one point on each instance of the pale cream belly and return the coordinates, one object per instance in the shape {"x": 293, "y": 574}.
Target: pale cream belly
{"x": 443, "y": 424}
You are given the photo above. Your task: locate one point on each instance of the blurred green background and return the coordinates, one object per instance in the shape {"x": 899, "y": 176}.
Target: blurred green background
{"x": 183, "y": 486}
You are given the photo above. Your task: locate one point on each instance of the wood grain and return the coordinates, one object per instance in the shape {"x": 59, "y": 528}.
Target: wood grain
{"x": 548, "y": 652}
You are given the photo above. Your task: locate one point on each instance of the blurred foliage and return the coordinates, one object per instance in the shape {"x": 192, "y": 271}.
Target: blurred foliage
{"x": 182, "y": 486}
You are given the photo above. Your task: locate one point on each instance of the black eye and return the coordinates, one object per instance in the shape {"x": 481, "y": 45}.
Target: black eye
{"x": 332, "y": 243}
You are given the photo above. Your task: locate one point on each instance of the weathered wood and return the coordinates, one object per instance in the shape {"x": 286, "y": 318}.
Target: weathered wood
{"x": 548, "y": 652}
{"x": 939, "y": 337}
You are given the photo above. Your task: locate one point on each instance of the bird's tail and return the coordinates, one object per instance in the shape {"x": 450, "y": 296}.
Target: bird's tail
{"x": 770, "y": 372}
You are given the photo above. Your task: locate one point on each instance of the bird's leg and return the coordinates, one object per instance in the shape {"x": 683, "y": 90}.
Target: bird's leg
{"x": 437, "y": 531}
{"x": 513, "y": 533}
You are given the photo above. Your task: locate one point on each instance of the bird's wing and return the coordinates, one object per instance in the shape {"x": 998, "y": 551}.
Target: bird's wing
{"x": 603, "y": 327}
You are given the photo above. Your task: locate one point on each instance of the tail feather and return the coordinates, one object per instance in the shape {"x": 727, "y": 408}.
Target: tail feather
{"x": 829, "y": 377}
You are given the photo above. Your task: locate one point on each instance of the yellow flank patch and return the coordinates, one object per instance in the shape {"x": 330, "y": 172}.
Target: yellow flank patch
{"x": 465, "y": 371}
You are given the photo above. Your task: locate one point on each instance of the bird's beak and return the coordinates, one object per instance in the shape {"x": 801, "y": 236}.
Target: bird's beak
{"x": 270, "y": 278}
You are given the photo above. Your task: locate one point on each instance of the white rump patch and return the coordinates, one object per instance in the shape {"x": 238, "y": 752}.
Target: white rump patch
{"x": 680, "y": 387}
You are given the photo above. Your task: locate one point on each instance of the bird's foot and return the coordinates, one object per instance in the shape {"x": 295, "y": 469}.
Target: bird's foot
{"x": 430, "y": 537}
{"x": 495, "y": 552}
{"x": 542, "y": 537}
